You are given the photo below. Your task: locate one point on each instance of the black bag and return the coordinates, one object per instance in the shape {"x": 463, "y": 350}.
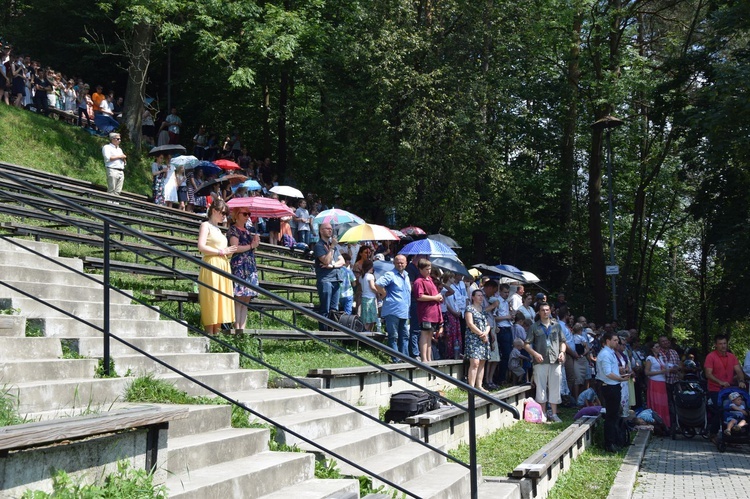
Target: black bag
{"x": 347, "y": 320}
{"x": 409, "y": 403}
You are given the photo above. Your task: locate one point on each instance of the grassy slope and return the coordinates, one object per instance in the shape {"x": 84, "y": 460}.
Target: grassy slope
{"x": 33, "y": 141}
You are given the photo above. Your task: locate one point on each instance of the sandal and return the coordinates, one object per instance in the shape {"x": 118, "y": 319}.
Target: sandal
{"x": 728, "y": 433}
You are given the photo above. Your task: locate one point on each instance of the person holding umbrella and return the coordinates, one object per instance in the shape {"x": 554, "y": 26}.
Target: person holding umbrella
{"x": 243, "y": 263}
{"x": 159, "y": 171}
{"x": 215, "y": 293}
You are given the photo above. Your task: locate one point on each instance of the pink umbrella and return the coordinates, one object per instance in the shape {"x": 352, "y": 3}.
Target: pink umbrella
{"x": 262, "y": 207}
{"x": 226, "y": 164}
{"x": 413, "y": 231}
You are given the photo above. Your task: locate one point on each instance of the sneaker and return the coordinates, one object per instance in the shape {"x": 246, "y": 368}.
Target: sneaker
{"x": 549, "y": 414}
{"x": 555, "y": 418}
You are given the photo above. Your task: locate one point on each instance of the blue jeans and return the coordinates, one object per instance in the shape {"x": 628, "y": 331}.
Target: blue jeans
{"x": 345, "y": 304}
{"x": 414, "y": 331}
{"x": 303, "y": 236}
{"x": 329, "y": 293}
{"x": 398, "y": 335}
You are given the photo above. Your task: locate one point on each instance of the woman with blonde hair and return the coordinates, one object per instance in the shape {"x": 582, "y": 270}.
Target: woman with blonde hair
{"x": 215, "y": 291}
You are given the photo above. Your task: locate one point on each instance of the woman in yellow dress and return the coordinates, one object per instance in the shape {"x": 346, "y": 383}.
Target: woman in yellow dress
{"x": 216, "y": 308}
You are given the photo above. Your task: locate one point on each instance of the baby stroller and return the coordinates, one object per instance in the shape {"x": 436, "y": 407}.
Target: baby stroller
{"x": 738, "y": 435}
{"x": 690, "y": 409}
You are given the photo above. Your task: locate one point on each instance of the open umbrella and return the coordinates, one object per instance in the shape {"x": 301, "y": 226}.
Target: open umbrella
{"x": 249, "y": 184}
{"x": 368, "y": 232}
{"x": 208, "y": 168}
{"x": 448, "y": 241}
{"x": 336, "y": 216}
{"x": 226, "y": 164}
{"x": 492, "y": 270}
{"x": 450, "y": 264}
{"x": 188, "y": 162}
{"x": 427, "y": 247}
{"x": 413, "y": 231}
{"x": 530, "y": 278}
{"x": 167, "y": 149}
{"x": 288, "y": 191}
{"x": 510, "y": 268}
{"x": 342, "y": 228}
{"x": 262, "y": 207}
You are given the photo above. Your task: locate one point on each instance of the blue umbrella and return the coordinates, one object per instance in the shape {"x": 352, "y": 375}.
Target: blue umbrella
{"x": 427, "y": 247}
{"x": 249, "y": 184}
{"x": 209, "y": 168}
{"x": 510, "y": 268}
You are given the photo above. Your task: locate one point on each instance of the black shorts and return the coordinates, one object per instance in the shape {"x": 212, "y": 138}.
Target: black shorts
{"x": 430, "y": 326}
{"x": 182, "y": 196}
{"x": 148, "y": 130}
{"x": 273, "y": 225}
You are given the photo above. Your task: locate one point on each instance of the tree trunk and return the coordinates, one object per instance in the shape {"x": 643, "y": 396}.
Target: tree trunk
{"x": 283, "y": 102}
{"x": 596, "y": 243}
{"x": 139, "y": 58}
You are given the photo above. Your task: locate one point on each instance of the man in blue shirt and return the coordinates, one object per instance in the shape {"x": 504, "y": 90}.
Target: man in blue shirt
{"x": 328, "y": 262}
{"x": 608, "y": 372}
{"x": 395, "y": 289}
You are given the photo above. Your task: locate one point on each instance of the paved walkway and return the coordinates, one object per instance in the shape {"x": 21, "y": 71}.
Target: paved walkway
{"x": 692, "y": 469}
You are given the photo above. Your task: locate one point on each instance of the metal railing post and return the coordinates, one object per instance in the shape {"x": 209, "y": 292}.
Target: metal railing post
{"x": 473, "y": 472}
{"x": 106, "y": 299}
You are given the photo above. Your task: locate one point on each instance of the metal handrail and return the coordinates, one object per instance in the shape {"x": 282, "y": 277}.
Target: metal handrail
{"x": 472, "y": 392}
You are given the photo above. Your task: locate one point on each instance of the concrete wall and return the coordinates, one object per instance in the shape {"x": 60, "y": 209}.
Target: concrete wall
{"x": 87, "y": 461}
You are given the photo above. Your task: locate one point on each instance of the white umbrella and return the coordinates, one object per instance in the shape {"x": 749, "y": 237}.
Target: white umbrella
{"x": 530, "y": 278}
{"x": 288, "y": 191}
{"x": 188, "y": 162}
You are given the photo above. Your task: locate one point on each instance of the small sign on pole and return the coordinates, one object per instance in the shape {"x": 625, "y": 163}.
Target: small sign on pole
{"x": 613, "y": 270}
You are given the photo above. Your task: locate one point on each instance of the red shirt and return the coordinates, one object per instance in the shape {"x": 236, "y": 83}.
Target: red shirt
{"x": 427, "y": 311}
{"x": 723, "y": 368}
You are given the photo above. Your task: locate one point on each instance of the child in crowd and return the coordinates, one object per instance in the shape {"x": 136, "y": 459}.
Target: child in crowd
{"x": 737, "y": 413}
{"x": 515, "y": 363}
{"x": 588, "y": 398}
{"x": 369, "y": 295}
{"x": 348, "y": 281}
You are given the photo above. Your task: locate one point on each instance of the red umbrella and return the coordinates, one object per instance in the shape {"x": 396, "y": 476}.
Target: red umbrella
{"x": 225, "y": 164}
{"x": 262, "y": 207}
{"x": 413, "y": 231}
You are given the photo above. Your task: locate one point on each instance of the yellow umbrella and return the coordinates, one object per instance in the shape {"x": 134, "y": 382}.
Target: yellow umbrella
{"x": 368, "y": 232}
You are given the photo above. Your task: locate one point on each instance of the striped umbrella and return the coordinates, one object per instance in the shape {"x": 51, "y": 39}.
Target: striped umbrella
{"x": 427, "y": 247}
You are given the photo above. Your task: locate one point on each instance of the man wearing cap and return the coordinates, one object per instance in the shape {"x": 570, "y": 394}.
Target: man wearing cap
{"x": 114, "y": 162}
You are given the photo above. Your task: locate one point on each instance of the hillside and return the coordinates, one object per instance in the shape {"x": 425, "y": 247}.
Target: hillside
{"x": 44, "y": 144}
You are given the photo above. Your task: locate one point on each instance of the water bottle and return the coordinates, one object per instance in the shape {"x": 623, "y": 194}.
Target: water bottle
{"x": 456, "y": 350}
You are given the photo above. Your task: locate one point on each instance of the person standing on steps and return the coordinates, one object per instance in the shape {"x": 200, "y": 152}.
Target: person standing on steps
{"x": 114, "y": 162}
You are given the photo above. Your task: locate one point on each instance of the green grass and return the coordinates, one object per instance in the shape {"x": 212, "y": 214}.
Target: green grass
{"x": 41, "y": 143}
{"x": 9, "y": 414}
{"x": 591, "y": 476}
{"x": 156, "y": 391}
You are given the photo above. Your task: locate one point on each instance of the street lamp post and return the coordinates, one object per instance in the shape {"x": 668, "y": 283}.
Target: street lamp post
{"x": 607, "y": 124}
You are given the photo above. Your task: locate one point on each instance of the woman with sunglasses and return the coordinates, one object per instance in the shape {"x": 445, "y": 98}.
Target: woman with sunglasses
{"x": 243, "y": 263}
{"x": 215, "y": 293}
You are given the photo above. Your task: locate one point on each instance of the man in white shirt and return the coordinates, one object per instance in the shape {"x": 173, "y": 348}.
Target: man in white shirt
{"x": 504, "y": 321}
{"x": 114, "y": 162}
{"x": 516, "y": 299}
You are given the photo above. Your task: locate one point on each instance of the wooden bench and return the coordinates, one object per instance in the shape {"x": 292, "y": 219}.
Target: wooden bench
{"x": 53, "y": 440}
{"x": 544, "y": 466}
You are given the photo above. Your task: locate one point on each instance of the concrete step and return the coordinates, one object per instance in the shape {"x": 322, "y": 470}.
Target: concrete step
{"x": 200, "y": 419}
{"x": 398, "y": 465}
{"x": 12, "y": 326}
{"x": 447, "y": 481}
{"x": 277, "y": 402}
{"x": 70, "y": 394}
{"x": 93, "y": 347}
{"x": 221, "y": 380}
{"x": 47, "y": 249}
{"x": 82, "y": 309}
{"x": 57, "y": 275}
{"x": 24, "y": 259}
{"x": 321, "y": 422}
{"x": 193, "y": 452}
{"x": 63, "y": 291}
{"x": 23, "y": 371}
{"x": 139, "y": 365}
{"x": 15, "y": 348}
{"x": 360, "y": 443}
{"x": 67, "y": 327}
{"x": 318, "y": 489}
{"x": 253, "y": 476}
{"x": 499, "y": 488}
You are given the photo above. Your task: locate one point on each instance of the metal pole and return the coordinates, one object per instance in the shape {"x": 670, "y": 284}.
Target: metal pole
{"x": 474, "y": 474}
{"x": 611, "y": 225}
{"x": 105, "y": 284}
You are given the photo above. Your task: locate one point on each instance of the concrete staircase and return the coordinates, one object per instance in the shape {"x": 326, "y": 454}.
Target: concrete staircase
{"x": 207, "y": 458}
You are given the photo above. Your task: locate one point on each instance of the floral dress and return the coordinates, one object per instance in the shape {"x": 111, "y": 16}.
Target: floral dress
{"x": 243, "y": 264}
{"x": 158, "y": 186}
{"x": 475, "y": 348}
